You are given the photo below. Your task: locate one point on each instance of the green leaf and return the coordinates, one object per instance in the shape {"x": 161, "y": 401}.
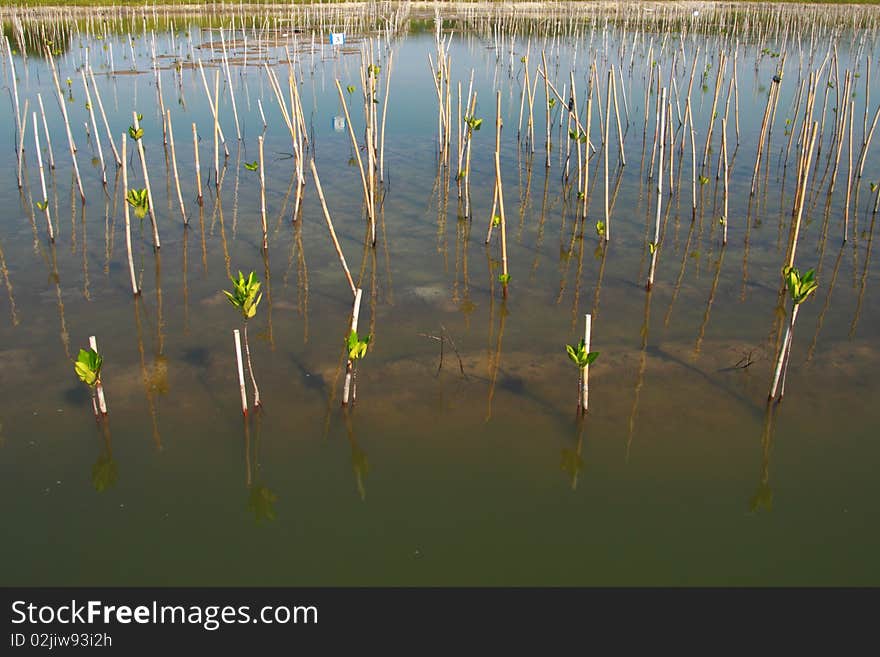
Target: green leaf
{"x": 704, "y": 180}
{"x": 350, "y": 89}
{"x": 42, "y": 205}
{"x": 140, "y": 117}
{"x": 357, "y": 348}
{"x": 252, "y": 166}
{"x": 653, "y": 246}
{"x": 88, "y": 366}
{"x": 551, "y": 103}
{"x": 135, "y": 133}
{"x": 504, "y": 279}
{"x": 600, "y": 228}
{"x": 496, "y": 220}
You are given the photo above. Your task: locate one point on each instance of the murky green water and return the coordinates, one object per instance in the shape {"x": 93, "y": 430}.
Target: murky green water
{"x": 677, "y": 476}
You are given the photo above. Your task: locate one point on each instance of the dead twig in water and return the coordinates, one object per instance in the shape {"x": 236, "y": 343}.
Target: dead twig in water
{"x": 442, "y": 338}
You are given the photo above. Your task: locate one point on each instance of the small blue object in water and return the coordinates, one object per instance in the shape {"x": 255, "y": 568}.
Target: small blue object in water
{"x": 338, "y": 123}
{"x": 337, "y": 38}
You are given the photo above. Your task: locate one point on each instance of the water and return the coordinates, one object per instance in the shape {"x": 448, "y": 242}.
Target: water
{"x": 677, "y": 476}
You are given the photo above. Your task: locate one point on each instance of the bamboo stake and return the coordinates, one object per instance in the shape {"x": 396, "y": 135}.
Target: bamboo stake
{"x": 849, "y": 173}
{"x": 103, "y": 118}
{"x": 152, "y": 208}
{"x": 94, "y": 127}
{"x": 99, "y": 387}
{"x": 360, "y": 162}
{"x": 656, "y": 242}
{"x": 726, "y": 177}
{"x": 263, "y": 197}
{"x": 347, "y": 389}
{"x": 501, "y": 199}
{"x": 244, "y": 404}
{"x": 46, "y": 132}
{"x": 585, "y": 376}
{"x": 217, "y": 131}
{"x": 43, "y": 180}
{"x": 174, "y": 167}
{"x": 330, "y": 227}
{"x": 70, "y": 144}
{"x": 198, "y": 167}
{"x": 134, "y": 285}
{"x": 384, "y": 113}
{"x": 546, "y": 107}
{"x": 20, "y": 149}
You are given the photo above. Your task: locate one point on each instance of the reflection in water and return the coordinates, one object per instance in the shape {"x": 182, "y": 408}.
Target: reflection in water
{"x": 261, "y": 499}
{"x": 640, "y": 379}
{"x": 359, "y": 463}
{"x": 4, "y": 271}
{"x": 763, "y": 496}
{"x": 825, "y": 307}
{"x": 149, "y": 380}
{"x": 572, "y": 459}
{"x": 105, "y": 472}
{"x": 705, "y": 322}
{"x": 864, "y": 283}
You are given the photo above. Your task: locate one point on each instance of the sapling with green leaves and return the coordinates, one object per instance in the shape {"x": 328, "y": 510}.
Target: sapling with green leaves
{"x": 356, "y": 348}
{"x": 139, "y": 200}
{"x": 88, "y": 366}
{"x": 800, "y": 288}
{"x": 246, "y": 296}
{"x": 582, "y": 357}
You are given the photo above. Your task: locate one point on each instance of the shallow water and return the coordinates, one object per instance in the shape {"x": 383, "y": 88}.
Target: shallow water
{"x": 677, "y": 476}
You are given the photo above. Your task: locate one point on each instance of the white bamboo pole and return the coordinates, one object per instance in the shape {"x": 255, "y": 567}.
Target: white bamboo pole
{"x": 43, "y": 181}
{"x": 99, "y": 387}
{"x": 349, "y": 366}
{"x": 134, "y": 285}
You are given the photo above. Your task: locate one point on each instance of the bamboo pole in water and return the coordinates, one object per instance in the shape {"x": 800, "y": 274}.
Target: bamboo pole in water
{"x": 347, "y": 389}
{"x": 585, "y": 376}
{"x": 360, "y": 162}
{"x": 46, "y": 132}
{"x": 501, "y": 200}
{"x": 103, "y": 118}
{"x": 217, "y": 131}
{"x": 656, "y": 243}
{"x": 198, "y": 167}
{"x": 761, "y": 138}
{"x": 546, "y": 106}
{"x": 244, "y": 404}
{"x": 99, "y": 387}
{"x": 70, "y": 144}
{"x": 174, "y": 167}
{"x": 849, "y": 172}
{"x": 134, "y": 285}
{"x": 867, "y": 142}
{"x": 94, "y": 127}
{"x": 384, "y": 113}
{"x": 43, "y": 180}
{"x": 20, "y": 147}
{"x": 726, "y": 179}
{"x": 263, "y": 197}
{"x": 152, "y": 208}
{"x": 330, "y": 227}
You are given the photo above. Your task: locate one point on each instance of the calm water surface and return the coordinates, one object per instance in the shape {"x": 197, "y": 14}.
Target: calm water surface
{"x": 677, "y": 476}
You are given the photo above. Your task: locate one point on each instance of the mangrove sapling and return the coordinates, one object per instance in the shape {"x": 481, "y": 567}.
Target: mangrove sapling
{"x": 246, "y": 297}
{"x": 800, "y": 287}
{"x": 582, "y": 357}
{"x": 356, "y": 349}
{"x": 87, "y": 366}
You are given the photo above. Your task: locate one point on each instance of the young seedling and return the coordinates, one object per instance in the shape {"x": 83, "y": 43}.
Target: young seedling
{"x": 357, "y": 350}
{"x": 800, "y": 287}
{"x": 88, "y": 365}
{"x": 582, "y": 357}
{"x": 140, "y": 201}
{"x": 246, "y": 296}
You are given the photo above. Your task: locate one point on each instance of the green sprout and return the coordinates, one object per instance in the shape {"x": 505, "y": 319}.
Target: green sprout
{"x": 42, "y": 205}
{"x": 496, "y": 221}
{"x": 350, "y": 89}
{"x": 245, "y": 295}
{"x": 88, "y": 367}
{"x": 578, "y": 135}
{"x": 800, "y": 286}
{"x": 579, "y": 355}
{"x": 135, "y": 133}
{"x": 357, "y": 348}
{"x": 140, "y": 201}
{"x": 473, "y": 122}
{"x": 704, "y": 180}
{"x": 504, "y": 279}
{"x": 551, "y": 103}
{"x": 653, "y": 246}
{"x": 252, "y": 166}
{"x": 600, "y": 228}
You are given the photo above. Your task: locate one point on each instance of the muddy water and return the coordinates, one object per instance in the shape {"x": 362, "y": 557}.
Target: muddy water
{"x": 679, "y": 474}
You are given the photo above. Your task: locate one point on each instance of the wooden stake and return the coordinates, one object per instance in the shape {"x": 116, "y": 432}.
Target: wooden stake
{"x": 43, "y": 180}
{"x": 134, "y": 285}
{"x": 347, "y": 389}
{"x": 174, "y": 167}
{"x": 99, "y": 387}
{"x": 244, "y": 404}
{"x": 330, "y": 227}
{"x": 198, "y": 168}
{"x": 263, "y": 197}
